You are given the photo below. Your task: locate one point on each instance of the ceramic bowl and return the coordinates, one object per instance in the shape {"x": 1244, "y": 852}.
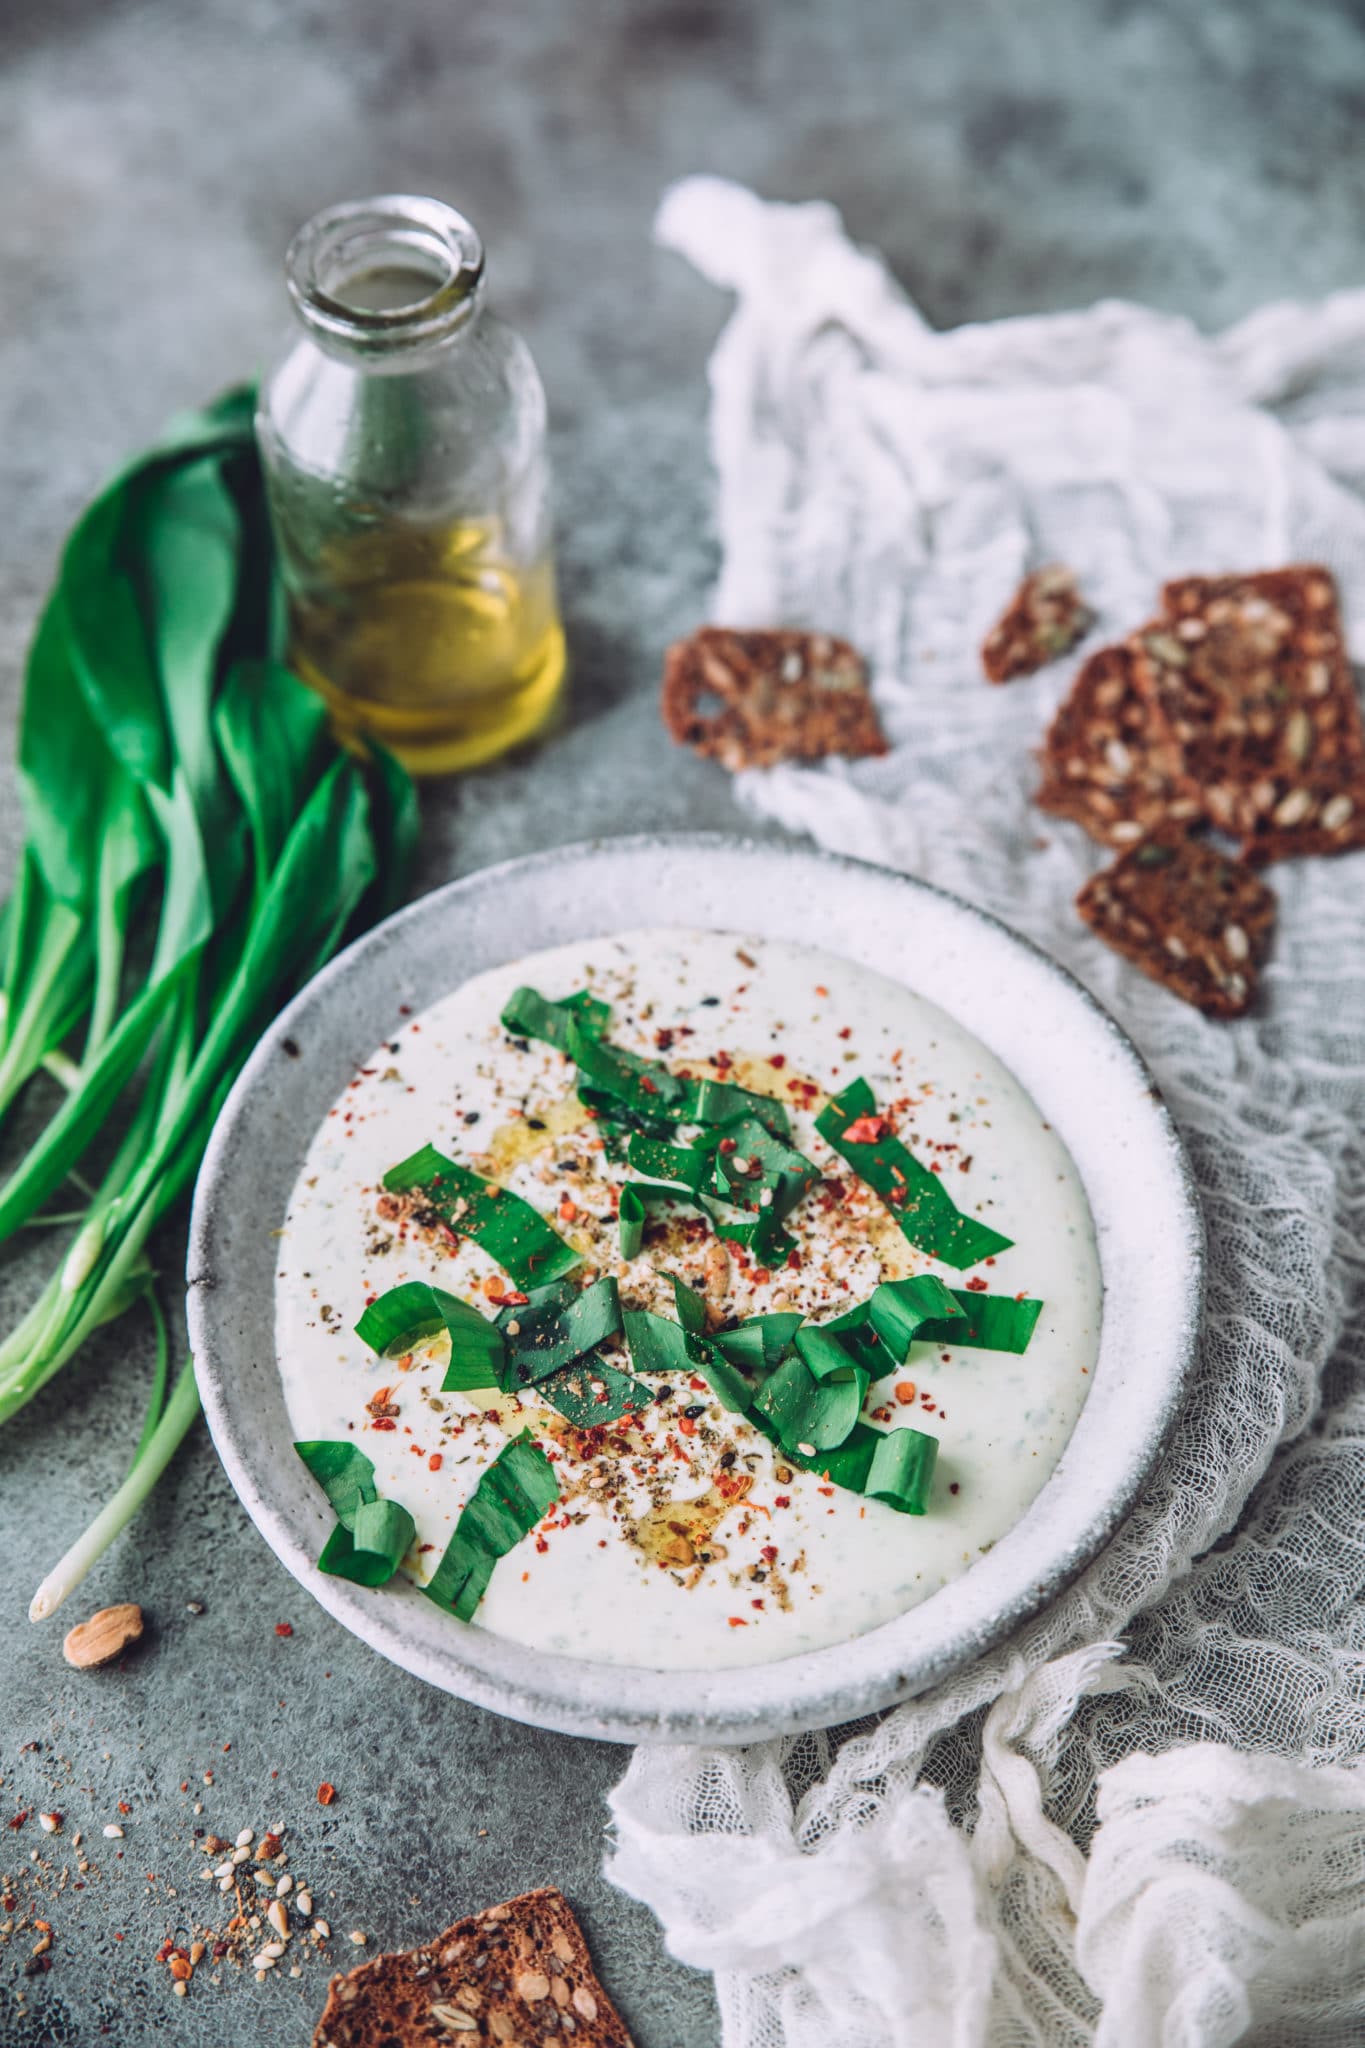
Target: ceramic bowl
{"x": 1080, "y": 1069}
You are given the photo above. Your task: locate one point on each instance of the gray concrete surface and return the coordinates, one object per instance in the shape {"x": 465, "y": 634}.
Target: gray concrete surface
{"x": 155, "y": 156}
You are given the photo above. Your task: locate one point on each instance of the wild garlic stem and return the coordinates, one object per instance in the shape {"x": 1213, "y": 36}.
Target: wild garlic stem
{"x": 115, "y": 1516}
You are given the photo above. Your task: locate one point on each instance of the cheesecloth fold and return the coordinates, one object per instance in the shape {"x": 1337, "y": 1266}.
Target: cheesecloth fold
{"x": 1143, "y": 1820}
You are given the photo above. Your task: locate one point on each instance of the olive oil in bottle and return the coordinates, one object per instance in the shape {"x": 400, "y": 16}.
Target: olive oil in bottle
{"x": 403, "y": 437}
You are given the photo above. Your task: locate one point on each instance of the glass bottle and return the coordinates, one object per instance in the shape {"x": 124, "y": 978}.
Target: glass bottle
{"x": 403, "y": 439}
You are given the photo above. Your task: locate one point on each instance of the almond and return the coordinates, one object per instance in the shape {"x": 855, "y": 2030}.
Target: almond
{"x": 105, "y": 1636}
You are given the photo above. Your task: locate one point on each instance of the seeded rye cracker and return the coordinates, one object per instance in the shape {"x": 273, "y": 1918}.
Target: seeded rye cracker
{"x": 1046, "y": 616}
{"x": 1104, "y": 767}
{"x": 514, "y": 1974}
{"x": 1194, "y": 920}
{"x": 1248, "y": 675}
{"x": 777, "y": 696}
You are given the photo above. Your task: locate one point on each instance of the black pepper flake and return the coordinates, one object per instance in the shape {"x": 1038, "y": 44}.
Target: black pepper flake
{"x": 533, "y": 1123}
{"x": 471, "y": 1116}
{"x": 291, "y": 1048}
{"x": 696, "y": 1411}
{"x": 710, "y": 1002}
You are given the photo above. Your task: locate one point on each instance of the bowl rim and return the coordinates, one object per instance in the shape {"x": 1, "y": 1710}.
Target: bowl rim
{"x": 1152, "y": 1280}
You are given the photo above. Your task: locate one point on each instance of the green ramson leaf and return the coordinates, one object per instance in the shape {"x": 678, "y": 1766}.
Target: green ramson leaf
{"x": 759, "y": 1342}
{"x": 557, "y": 1325}
{"x": 657, "y": 1344}
{"x": 720, "y": 1102}
{"x": 591, "y": 1392}
{"x": 508, "y": 1501}
{"x": 273, "y": 734}
{"x": 917, "y": 1198}
{"x": 809, "y": 1409}
{"x": 645, "y": 1087}
{"x": 902, "y": 1470}
{"x": 517, "y": 1236}
{"x": 631, "y": 1217}
{"x": 414, "y": 1312}
{"x": 987, "y": 1322}
{"x": 528, "y": 1014}
{"x": 370, "y": 1549}
{"x": 901, "y": 1310}
{"x": 683, "y": 1166}
{"x": 343, "y": 1472}
{"x": 640, "y": 1093}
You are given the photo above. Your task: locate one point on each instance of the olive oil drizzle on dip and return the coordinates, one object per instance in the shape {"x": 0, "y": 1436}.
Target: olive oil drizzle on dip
{"x": 681, "y": 1538}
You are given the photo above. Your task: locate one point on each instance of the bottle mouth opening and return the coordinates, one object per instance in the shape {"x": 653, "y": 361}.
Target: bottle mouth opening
{"x": 375, "y": 276}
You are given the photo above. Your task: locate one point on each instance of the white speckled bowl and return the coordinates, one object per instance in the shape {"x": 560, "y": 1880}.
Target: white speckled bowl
{"x": 1071, "y": 1057}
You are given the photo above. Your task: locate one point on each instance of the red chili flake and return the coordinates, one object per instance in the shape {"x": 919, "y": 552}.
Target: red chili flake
{"x": 847, "y": 1031}
{"x": 326, "y": 1793}
{"x": 383, "y": 1422}
{"x": 866, "y": 1130}
{"x": 16, "y": 1820}
{"x": 738, "y": 1621}
{"x": 650, "y": 1087}
{"x": 828, "y": 1492}
{"x": 820, "y": 989}
{"x": 541, "y": 1545}
{"x": 124, "y": 1807}
{"x": 793, "y": 1262}
{"x": 761, "y": 1276}
{"x": 663, "y": 1039}
{"x": 687, "y": 1425}
{"x": 953, "y": 1486}
{"x": 434, "y": 1462}
{"x": 769, "y": 1552}
{"x": 727, "y": 1146}
{"x": 504, "y": 1297}
{"x": 782, "y": 1500}
{"x": 935, "y": 1166}
{"x": 977, "y": 1284}
{"x": 284, "y": 1628}
{"x": 166, "y": 1949}
{"x": 756, "y": 1603}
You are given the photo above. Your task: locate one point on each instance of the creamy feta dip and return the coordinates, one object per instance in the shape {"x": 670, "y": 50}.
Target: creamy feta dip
{"x": 681, "y": 1539}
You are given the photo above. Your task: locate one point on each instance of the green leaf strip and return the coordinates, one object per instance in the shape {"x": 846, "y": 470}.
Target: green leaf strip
{"x": 508, "y": 1501}
{"x": 611, "y": 1079}
{"x": 555, "y": 1326}
{"x": 372, "y": 1536}
{"x": 414, "y": 1312}
{"x": 923, "y": 1208}
{"x": 527, "y": 1014}
{"x": 514, "y": 1234}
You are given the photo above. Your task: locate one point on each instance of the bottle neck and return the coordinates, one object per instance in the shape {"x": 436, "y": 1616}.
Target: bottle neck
{"x": 388, "y": 282}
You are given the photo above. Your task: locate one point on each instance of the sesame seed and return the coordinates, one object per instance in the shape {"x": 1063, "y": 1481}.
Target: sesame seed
{"x": 112, "y": 1831}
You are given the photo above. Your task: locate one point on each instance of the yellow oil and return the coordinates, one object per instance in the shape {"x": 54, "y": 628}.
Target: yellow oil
{"x": 430, "y": 643}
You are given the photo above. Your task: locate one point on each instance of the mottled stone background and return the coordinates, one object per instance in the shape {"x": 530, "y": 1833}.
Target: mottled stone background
{"x": 155, "y": 156}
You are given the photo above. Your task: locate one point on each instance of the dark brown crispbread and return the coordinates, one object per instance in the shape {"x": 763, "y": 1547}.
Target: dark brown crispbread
{"x": 1103, "y": 765}
{"x": 1322, "y": 812}
{"x": 1046, "y": 616}
{"x": 515, "y": 1974}
{"x": 1248, "y": 675}
{"x": 1181, "y": 911}
{"x": 778, "y": 696}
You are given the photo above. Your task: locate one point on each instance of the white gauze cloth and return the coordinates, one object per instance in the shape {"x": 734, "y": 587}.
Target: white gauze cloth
{"x": 1142, "y": 1821}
